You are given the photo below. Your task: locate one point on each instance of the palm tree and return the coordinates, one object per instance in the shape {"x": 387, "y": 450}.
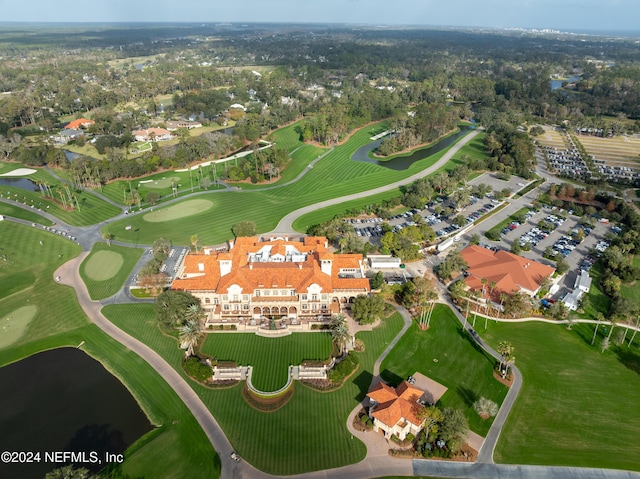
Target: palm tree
{"x": 338, "y": 320}
{"x": 191, "y": 331}
{"x": 108, "y": 237}
{"x": 505, "y": 349}
{"x": 599, "y": 318}
{"x": 340, "y": 336}
{"x": 195, "y": 242}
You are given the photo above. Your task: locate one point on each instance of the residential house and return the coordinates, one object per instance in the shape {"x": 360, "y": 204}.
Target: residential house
{"x": 396, "y": 411}
{"x": 152, "y": 134}
{"x": 79, "y": 123}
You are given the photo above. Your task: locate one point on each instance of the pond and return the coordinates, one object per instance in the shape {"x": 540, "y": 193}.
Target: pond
{"x": 70, "y": 155}
{"x": 64, "y": 400}
{"x": 404, "y": 162}
{"x": 555, "y": 84}
{"x": 22, "y": 183}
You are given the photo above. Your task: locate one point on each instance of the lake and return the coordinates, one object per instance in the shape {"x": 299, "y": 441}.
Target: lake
{"x": 23, "y": 183}
{"x": 404, "y": 162}
{"x": 64, "y": 400}
{"x": 555, "y": 84}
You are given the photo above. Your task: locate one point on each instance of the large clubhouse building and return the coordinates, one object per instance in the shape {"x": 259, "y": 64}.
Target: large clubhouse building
{"x": 259, "y": 280}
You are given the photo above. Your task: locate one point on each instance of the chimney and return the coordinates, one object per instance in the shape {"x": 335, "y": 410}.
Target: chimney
{"x": 300, "y": 265}
{"x": 325, "y": 266}
{"x": 251, "y": 266}
{"x": 200, "y": 266}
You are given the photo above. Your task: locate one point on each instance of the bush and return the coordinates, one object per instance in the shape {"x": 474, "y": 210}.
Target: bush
{"x": 196, "y": 369}
{"x": 343, "y": 369}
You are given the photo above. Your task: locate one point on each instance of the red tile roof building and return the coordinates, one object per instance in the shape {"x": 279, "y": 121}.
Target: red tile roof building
{"x": 396, "y": 411}
{"x": 275, "y": 279}
{"x": 79, "y": 123}
{"x": 504, "y": 272}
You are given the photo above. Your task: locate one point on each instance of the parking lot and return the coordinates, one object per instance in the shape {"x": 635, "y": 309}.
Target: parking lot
{"x": 565, "y": 237}
{"x": 440, "y": 212}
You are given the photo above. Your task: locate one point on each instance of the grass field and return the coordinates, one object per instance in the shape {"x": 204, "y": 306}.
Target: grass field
{"x": 178, "y": 446}
{"x": 630, "y": 290}
{"x": 92, "y": 208}
{"x": 294, "y": 438}
{"x": 333, "y": 176}
{"x": 577, "y": 405}
{"x": 14, "y": 324}
{"x": 554, "y": 138}
{"x": 617, "y": 151}
{"x": 456, "y": 353}
{"x": 173, "y": 212}
{"x": 270, "y": 357}
{"x": 597, "y": 300}
{"x": 160, "y": 183}
{"x": 7, "y": 209}
{"x": 474, "y": 149}
{"x": 106, "y": 268}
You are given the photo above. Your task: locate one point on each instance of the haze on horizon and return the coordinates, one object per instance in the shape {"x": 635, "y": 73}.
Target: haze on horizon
{"x": 574, "y": 15}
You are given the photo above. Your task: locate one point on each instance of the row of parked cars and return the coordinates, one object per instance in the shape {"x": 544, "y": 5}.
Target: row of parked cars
{"x": 533, "y": 237}
{"x": 477, "y": 214}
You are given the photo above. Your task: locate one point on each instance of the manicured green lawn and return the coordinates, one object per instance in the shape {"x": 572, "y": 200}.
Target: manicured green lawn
{"x": 464, "y": 368}
{"x": 597, "y": 300}
{"x": 577, "y": 406}
{"x": 630, "y": 290}
{"x": 270, "y": 357}
{"x": 100, "y": 289}
{"x": 294, "y": 438}
{"x": 333, "y": 176}
{"x": 92, "y": 208}
{"x": 7, "y": 209}
{"x": 177, "y": 447}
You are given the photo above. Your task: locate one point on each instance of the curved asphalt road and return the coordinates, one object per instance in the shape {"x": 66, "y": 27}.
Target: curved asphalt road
{"x": 286, "y": 224}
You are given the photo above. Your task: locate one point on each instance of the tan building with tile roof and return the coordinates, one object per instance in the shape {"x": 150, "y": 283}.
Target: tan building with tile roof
{"x": 507, "y": 272}
{"x": 259, "y": 280}
{"x": 396, "y": 411}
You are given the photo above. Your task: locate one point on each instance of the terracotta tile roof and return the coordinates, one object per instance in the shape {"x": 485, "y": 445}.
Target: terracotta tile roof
{"x": 395, "y": 404}
{"x": 298, "y": 275}
{"x": 80, "y": 122}
{"x": 508, "y": 271}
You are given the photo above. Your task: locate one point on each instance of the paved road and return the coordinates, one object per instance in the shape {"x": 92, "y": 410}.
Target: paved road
{"x": 69, "y": 273}
{"x": 286, "y": 224}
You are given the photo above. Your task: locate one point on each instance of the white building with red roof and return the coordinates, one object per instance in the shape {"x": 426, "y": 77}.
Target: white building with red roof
{"x": 275, "y": 279}
{"x": 396, "y": 411}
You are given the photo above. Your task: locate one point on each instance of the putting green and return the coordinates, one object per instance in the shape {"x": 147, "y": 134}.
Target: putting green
{"x": 174, "y": 212}
{"x": 160, "y": 184}
{"x": 14, "y": 324}
{"x": 103, "y": 265}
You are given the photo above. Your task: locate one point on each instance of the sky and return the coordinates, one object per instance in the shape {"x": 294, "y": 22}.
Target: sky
{"x": 554, "y": 14}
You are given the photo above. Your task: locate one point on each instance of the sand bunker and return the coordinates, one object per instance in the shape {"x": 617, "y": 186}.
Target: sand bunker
{"x": 19, "y": 172}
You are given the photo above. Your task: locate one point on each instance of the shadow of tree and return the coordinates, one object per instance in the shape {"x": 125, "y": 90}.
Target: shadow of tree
{"x": 630, "y": 359}
{"x": 363, "y": 381}
{"x": 467, "y": 395}
{"x": 391, "y": 378}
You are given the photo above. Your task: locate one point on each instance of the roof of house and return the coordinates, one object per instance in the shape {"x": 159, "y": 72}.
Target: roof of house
{"x": 583, "y": 281}
{"x": 277, "y": 263}
{"x": 508, "y": 271}
{"x": 149, "y": 131}
{"x": 69, "y": 132}
{"x": 80, "y": 122}
{"x": 395, "y": 404}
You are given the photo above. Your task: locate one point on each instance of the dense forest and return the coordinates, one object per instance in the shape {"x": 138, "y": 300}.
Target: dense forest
{"x": 423, "y": 81}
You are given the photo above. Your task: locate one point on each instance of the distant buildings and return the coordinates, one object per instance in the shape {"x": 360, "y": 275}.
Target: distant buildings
{"x": 580, "y": 287}
{"x": 174, "y": 125}
{"x": 79, "y": 123}
{"x": 152, "y": 134}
